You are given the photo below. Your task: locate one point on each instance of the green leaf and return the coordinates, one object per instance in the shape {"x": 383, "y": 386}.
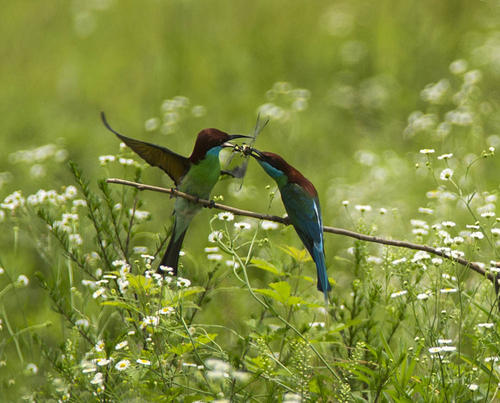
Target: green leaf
{"x": 192, "y": 398}
{"x": 206, "y": 338}
{"x": 181, "y": 349}
{"x": 309, "y": 279}
{"x": 281, "y": 292}
{"x": 294, "y": 300}
{"x": 139, "y": 283}
{"x": 363, "y": 373}
{"x": 120, "y": 304}
{"x": 342, "y": 326}
{"x": 299, "y": 255}
{"x": 341, "y": 259}
{"x": 192, "y": 291}
{"x": 264, "y": 265}
{"x": 258, "y": 364}
{"x": 313, "y": 386}
{"x": 282, "y": 288}
{"x": 269, "y": 293}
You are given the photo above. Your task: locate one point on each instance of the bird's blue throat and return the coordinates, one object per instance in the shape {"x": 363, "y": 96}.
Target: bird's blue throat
{"x": 214, "y": 151}
{"x": 278, "y": 175}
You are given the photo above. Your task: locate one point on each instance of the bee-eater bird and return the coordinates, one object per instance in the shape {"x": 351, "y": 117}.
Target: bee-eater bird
{"x": 195, "y": 175}
{"x": 301, "y": 202}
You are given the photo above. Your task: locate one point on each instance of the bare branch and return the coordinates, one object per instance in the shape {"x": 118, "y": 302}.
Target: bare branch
{"x": 285, "y": 221}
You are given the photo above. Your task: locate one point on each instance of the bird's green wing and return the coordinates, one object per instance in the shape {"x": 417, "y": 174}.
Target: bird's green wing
{"x": 173, "y": 164}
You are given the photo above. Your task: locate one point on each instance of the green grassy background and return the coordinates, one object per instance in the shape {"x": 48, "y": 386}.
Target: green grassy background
{"x": 64, "y": 62}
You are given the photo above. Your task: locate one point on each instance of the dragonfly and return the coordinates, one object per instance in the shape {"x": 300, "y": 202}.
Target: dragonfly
{"x": 240, "y": 170}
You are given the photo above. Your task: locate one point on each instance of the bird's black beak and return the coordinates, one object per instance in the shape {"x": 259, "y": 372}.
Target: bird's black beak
{"x": 239, "y": 136}
{"x": 232, "y": 137}
{"x": 256, "y": 154}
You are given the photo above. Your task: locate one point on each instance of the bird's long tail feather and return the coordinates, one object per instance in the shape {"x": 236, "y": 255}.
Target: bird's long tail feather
{"x": 171, "y": 256}
{"x": 323, "y": 283}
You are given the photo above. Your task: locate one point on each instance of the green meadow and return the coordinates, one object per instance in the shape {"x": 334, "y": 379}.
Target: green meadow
{"x": 391, "y": 109}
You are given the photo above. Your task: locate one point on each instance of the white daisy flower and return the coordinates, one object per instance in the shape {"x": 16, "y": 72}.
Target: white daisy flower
{"x": 268, "y": 225}
{"x": 97, "y": 379}
{"x": 446, "y": 174}
{"x": 448, "y": 290}
{"x": 122, "y": 365}
{"x": 166, "y": 310}
{"x": 214, "y": 235}
{"x": 363, "y": 208}
{"x": 121, "y": 345}
{"x": 102, "y": 361}
{"x": 22, "y": 281}
{"x": 105, "y": 159}
{"x": 183, "y": 282}
{"x": 399, "y": 293}
{"x": 425, "y": 210}
{"x": 226, "y": 216}
{"x": 242, "y": 225}
{"x": 488, "y": 325}
{"x": 427, "y": 151}
{"x": 99, "y": 293}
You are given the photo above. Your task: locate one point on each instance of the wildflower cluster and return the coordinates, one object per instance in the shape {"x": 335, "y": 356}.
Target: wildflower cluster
{"x": 371, "y": 94}
{"x": 15, "y": 202}
{"x": 38, "y": 158}
{"x": 173, "y": 112}
{"x": 464, "y": 112}
{"x": 284, "y": 100}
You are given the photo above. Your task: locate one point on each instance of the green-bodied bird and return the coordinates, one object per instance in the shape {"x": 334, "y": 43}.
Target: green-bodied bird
{"x": 301, "y": 202}
{"x": 195, "y": 175}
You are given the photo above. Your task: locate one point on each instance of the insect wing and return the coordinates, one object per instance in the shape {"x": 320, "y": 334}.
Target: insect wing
{"x": 240, "y": 170}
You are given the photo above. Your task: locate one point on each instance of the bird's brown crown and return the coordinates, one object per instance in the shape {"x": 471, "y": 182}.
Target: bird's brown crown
{"x": 293, "y": 175}
{"x": 207, "y": 139}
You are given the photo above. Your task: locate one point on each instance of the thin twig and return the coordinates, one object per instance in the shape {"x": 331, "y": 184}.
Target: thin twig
{"x": 285, "y": 221}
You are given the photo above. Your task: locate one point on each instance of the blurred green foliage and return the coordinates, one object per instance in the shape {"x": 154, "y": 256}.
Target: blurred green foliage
{"x": 364, "y": 64}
